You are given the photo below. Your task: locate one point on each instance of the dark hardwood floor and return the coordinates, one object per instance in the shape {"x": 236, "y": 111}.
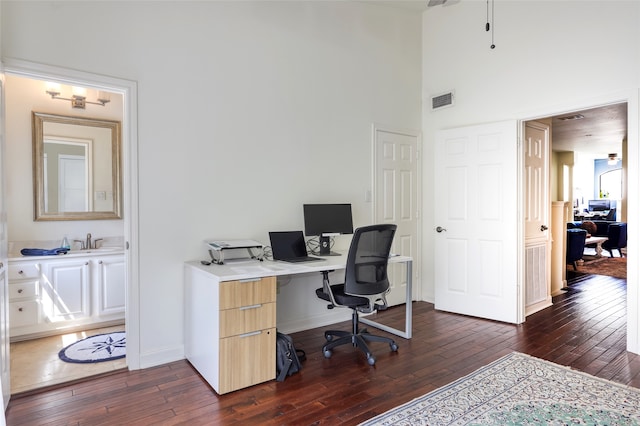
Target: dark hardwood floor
{"x": 584, "y": 329}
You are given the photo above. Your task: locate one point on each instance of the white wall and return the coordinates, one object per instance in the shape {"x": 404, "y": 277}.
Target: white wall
{"x": 246, "y": 110}
{"x": 550, "y": 57}
{"x": 22, "y": 96}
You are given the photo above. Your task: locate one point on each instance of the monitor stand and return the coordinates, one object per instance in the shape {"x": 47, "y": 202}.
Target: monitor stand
{"x": 325, "y": 247}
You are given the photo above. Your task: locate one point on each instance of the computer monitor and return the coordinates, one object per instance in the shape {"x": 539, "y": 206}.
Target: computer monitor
{"x": 599, "y": 205}
{"x": 325, "y": 221}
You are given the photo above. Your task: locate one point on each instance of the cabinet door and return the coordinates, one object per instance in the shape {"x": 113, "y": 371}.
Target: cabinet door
{"x": 66, "y": 286}
{"x": 111, "y": 285}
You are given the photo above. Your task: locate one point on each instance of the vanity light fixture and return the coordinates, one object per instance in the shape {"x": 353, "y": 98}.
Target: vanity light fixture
{"x": 78, "y": 99}
{"x": 613, "y": 159}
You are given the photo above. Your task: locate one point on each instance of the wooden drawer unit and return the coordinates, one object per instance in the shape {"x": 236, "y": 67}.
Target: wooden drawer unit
{"x": 230, "y": 328}
{"x": 247, "y": 359}
{"x": 247, "y": 333}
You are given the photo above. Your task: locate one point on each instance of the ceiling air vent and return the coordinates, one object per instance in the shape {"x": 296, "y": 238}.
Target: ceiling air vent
{"x": 441, "y": 101}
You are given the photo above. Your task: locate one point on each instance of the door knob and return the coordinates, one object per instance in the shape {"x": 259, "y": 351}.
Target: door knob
{"x": 543, "y": 228}
{"x": 440, "y": 229}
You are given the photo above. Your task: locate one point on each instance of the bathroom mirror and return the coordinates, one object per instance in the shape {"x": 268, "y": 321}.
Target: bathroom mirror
{"x": 76, "y": 168}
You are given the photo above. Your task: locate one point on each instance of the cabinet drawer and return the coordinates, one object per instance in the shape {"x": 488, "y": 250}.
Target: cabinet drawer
{"x": 247, "y": 360}
{"x": 235, "y": 294}
{"x": 247, "y": 319}
{"x": 23, "y": 290}
{"x": 20, "y": 271}
{"x": 23, "y": 313}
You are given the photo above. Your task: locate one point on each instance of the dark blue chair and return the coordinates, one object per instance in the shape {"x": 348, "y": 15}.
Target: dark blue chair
{"x": 575, "y": 245}
{"x": 616, "y": 238}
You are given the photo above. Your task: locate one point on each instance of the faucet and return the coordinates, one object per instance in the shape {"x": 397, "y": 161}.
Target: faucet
{"x": 86, "y": 245}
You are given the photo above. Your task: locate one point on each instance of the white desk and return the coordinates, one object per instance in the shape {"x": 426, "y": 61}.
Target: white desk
{"x": 230, "y": 310}
{"x": 250, "y": 269}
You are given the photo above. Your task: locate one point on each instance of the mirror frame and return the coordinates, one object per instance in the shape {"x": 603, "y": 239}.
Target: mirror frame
{"x": 38, "y": 121}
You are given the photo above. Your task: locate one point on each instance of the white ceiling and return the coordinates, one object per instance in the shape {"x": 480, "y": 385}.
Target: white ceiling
{"x": 419, "y": 5}
{"x": 600, "y": 131}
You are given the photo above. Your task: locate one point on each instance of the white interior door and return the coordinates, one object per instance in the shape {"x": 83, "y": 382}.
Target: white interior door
{"x": 396, "y": 200}
{"x": 536, "y": 217}
{"x": 72, "y": 178}
{"x": 476, "y": 218}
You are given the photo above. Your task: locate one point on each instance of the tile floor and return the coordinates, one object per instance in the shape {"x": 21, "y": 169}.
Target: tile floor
{"x": 35, "y": 363}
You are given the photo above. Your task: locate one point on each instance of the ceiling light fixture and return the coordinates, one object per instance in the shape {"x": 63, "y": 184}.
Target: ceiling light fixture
{"x": 613, "y": 159}
{"x": 78, "y": 98}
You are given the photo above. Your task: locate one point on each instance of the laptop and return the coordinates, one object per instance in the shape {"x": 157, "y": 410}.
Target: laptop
{"x": 289, "y": 246}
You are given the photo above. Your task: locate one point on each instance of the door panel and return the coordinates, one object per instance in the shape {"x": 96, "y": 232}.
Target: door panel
{"x": 72, "y": 192}
{"x": 536, "y": 204}
{"x": 476, "y": 221}
{"x": 396, "y": 200}
{"x": 536, "y": 217}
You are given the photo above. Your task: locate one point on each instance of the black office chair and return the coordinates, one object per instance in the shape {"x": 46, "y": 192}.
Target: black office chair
{"x": 364, "y": 289}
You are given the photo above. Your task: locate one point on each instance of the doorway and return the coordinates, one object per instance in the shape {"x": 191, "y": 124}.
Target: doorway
{"x": 36, "y": 73}
{"x": 396, "y": 189}
{"x": 581, "y": 141}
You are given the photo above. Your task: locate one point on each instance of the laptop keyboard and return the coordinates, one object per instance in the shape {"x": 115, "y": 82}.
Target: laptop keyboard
{"x": 302, "y": 259}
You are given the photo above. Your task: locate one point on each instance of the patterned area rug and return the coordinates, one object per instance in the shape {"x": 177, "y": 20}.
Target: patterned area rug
{"x": 518, "y": 389}
{"x": 609, "y": 266}
{"x": 98, "y": 348}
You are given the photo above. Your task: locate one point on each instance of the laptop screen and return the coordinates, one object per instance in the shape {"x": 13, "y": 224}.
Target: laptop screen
{"x": 287, "y": 245}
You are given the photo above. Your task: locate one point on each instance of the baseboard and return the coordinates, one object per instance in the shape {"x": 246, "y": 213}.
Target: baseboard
{"x": 532, "y": 309}
{"x": 334, "y": 316}
{"x": 164, "y": 356}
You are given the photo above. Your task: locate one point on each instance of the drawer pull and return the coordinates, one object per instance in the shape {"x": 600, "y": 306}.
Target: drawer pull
{"x": 244, "y": 308}
{"x": 250, "y": 280}
{"x": 20, "y": 291}
{"x": 253, "y": 333}
{"x": 20, "y": 309}
{"x": 21, "y": 272}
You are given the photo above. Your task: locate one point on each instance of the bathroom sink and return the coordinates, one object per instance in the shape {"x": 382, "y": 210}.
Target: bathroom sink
{"x": 97, "y": 250}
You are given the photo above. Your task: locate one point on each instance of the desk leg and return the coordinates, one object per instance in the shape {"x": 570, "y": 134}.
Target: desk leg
{"x": 408, "y": 310}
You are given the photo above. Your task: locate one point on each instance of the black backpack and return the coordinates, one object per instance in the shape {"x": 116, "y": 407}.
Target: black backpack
{"x": 288, "y": 358}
